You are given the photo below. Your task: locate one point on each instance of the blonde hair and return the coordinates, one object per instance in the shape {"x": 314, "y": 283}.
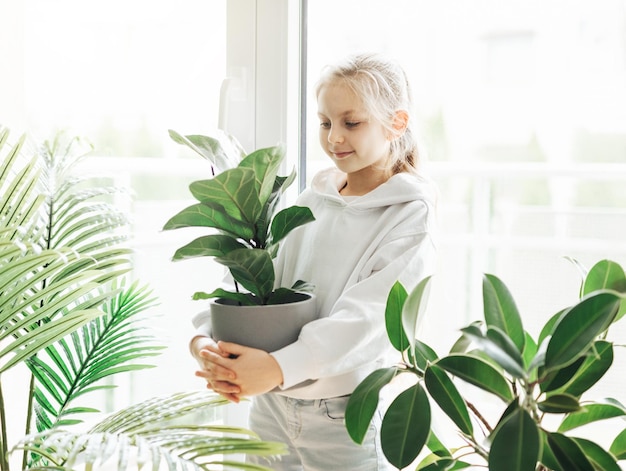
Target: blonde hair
{"x": 383, "y": 87}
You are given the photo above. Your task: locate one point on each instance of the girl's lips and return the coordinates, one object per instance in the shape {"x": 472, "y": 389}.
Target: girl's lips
{"x": 342, "y": 155}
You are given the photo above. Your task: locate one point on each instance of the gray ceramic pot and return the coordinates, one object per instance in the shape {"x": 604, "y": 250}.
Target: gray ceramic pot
{"x": 268, "y": 328}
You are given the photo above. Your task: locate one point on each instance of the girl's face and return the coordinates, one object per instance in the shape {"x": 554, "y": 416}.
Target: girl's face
{"x": 357, "y": 144}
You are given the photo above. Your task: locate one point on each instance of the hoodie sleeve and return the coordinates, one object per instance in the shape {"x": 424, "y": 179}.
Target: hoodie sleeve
{"x": 354, "y": 334}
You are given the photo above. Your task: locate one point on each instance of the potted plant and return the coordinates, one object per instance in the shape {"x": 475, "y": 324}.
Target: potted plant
{"x": 240, "y": 204}
{"x": 537, "y": 384}
{"x": 68, "y": 314}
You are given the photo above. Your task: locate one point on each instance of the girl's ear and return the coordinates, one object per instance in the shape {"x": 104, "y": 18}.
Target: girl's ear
{"x": 400, "y": 123}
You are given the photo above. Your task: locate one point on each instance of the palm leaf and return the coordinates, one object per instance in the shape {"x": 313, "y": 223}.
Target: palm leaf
{"x": 109, "y": 345}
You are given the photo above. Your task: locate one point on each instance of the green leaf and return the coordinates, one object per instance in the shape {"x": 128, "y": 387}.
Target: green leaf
{"x": 618, "y": 447}
{"x": 591, "y": 413}
{"x": 598, "y": 456}
{"x": 547, "y": 458}
{"x": 244, "y": 299}
{"x": 553, "y": 380}
{"x": 607, "y": 274}
{"x": 393, "y": 317}
{"x": 579, "y": 327}
{"x": 515, "y": 443}
{"x": 406, "y": 426}
{"x": 208, "y": 214}
{"x": 234, "y": 190}
{"x": 224, "y": 152}
{"x": 265, "y": 164}
{"x": 499, "y": 348}
{"x": 477, "y": 372}
{"x": 567, "y": 453}
{"x": 530, "y": 350}
{"x": 413, "y": 308}
{"x": 559, "y": 404}
{"x": 253, "y": 269}
{"x": 594, "y": 366}
{"x": 364, "y": 401}
{"x": 423, "y": 355}
{"x": 501, "y": 310}
{"x": 447, "y": 396}
{"x": 436, "y": 446}
{"x": 288, "y": 219}
{"x": 214, "y": 245}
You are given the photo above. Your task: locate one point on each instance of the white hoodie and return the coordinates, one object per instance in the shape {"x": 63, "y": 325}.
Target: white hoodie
{"x": 353, "y": 253}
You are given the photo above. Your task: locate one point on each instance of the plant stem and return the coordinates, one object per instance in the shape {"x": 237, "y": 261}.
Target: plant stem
{"x": 29, "y": 415}
{"x": 479, "y": 416}
{"x": 4, "y": 449}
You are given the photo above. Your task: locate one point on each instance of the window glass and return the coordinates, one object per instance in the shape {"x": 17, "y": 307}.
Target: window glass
{"x": 521, "y": 108}
{"x": 121, "y": 74}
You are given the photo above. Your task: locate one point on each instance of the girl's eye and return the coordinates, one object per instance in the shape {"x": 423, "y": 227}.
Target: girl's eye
{"x": 352, "y": 124}
{"x": 325, "y": 125}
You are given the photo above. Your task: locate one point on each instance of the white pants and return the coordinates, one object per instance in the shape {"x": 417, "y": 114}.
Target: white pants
{"x": 315, "y": 433}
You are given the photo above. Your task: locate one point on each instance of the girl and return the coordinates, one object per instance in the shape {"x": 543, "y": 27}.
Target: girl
{"x": 374, "y": 225}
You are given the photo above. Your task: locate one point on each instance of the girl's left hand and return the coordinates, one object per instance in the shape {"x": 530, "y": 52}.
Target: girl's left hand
{"x": 255, "y": 371}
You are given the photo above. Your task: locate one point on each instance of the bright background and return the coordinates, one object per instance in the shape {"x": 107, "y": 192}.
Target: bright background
{"x": 521, "y": 107}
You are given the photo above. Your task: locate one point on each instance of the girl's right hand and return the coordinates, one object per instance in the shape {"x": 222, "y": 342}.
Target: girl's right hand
{"x": 217, "y": 377}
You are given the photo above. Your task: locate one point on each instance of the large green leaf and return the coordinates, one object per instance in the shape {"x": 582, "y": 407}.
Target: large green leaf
{"x": 594, "y": 366}
{"x": 393, "y": 317}
{"x": 559, "y": 404}
{"x": 208, "y": 214}
{"x": 253, "y": 268}
{"x": 477, "y": 372}
{"x": 233, "y": 190}
{"x": 265, "y": 164}
{"x": 598, "y": 456}
{"x": 501, "y": 310}
{"x": 288, "y": 219}
{"x": 607, "y": 274}
{"x": 413, "y": 309}
{"x": 406, "y": 426}
{"x": 579, "y": 327}
{"x": 618, "y": 447}
{"x": 447, "y": 396}
{"x": 223, "y": 151}
{"x": 591, "y": 413}
{"x": 214, "y": 245}
{"x": 515, "y": 444}
{"x": 496, "y": 345}
{"x": 364, "y": 401}
{"x": 567, "y": 453}
{"x": 422, "y": 355}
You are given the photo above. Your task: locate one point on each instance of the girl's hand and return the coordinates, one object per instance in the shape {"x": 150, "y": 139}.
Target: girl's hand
{"x": 206, "y": 351}
{"x": 255, "y": 371}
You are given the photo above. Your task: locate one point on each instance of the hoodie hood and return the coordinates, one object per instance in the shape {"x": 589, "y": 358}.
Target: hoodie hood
{"x": 400, "y": 188}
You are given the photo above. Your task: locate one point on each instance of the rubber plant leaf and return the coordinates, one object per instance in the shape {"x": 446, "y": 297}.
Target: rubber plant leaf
{"x": 413, "y": 309}
{"x": 567, "y": 453}
{"x": 598, "y": 456}
{"x": 559, "y": 404}
{"x": 579, "y": 327}
{"x": 591, "y": 413}
{"x": 501, "y": 310}
{"x": 406, "y": 426}
{"x": 447, "y": 396}
{"x": 364, "y": 401}
{"x": 594, "y": 367}
{"x": 477, "y": 372}
{"x": 515, "y": 444}
{"x": 607, "y": 274}
{"x": 618, "y": 447}
{"x": 393, "y": 317}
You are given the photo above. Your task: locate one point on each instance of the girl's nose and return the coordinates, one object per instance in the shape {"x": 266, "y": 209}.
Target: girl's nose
{"x": 334, "y": 136}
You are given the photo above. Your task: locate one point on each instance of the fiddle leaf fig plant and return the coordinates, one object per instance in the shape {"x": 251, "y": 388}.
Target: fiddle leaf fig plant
{"x": 537, "y": 384}
{"x": 240, "y": 205}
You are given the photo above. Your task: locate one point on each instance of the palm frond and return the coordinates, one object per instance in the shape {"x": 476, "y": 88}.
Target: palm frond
{"x": 145, "y": 435}
{"x": 109, "y": 345}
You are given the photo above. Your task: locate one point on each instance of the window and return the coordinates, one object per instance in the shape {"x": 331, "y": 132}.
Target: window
{"x": 521, "y": 109}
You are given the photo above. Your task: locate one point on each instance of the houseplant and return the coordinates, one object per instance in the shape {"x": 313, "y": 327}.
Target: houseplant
{"x": 69, "y": 314}
{"x": 240, "y": 204}
{"x": 538, "y": 384}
